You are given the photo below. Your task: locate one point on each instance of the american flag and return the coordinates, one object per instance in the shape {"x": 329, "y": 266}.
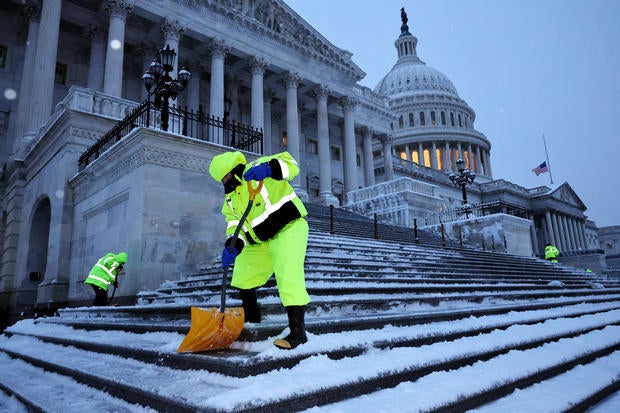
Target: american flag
{"x": 541, "y": 169}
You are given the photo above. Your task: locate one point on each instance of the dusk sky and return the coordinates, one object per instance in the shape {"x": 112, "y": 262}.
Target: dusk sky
{"x": 528, "y": 68}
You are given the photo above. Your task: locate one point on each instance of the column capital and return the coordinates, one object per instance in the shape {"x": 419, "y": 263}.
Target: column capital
{"x": 31, "y": 9}
{"x": 368, "y": 131}
{"x": 96, "y": 32}
{"x": 292, "y": 80}
{"x": 386, "y": 139}
{"x": 321, "y": 91}
{"x": 147, "y": 49}
{"x": 348, "y": 103}
{"x": 118, "y": 8}
{"x": 171, "y": 29}
{"x": 257, "y": 65}
{"x": 218, "y": 48}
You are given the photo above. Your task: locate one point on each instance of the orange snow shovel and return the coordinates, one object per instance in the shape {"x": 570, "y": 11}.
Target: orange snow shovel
{"x": 213, "y": 328}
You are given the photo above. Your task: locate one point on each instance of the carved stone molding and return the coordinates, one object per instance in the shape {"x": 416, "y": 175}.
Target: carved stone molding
{"x": 31, "y": 10}
{"x": 321, "y": 91}
{"x": 348, "y": 103}
{"x": 96, "y": 32}
{"x": 218, "y": 48}
{"x": 171, "y": 29}
{"x": 292, "y": 80}
{"x": 257, "y": 65}
{"x": 118, "y": 8}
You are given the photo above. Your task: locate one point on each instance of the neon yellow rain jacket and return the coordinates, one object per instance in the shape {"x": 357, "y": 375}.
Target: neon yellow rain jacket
{"x": 104, "y": 272}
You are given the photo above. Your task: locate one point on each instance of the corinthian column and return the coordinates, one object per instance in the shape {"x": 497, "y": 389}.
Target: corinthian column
{"x": 32, "y": 10}
{"x": 369, "y": 166}
{"x": 171, "y": 32}
{"x": 113, "y": 80}
{"x": 325, "y": 170}
{"x": 386, "y": 140}
{"x": 216, "y": 100}
{"x": 257, "y": 67}
{"x": 44, "y": 66}
{"x": 292, "y": 80}
{"x": 96, "y": 33}
{"x": 350, "y": 166}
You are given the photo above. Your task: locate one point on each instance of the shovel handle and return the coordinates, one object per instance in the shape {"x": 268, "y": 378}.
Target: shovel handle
{"x": 253, "y": 192}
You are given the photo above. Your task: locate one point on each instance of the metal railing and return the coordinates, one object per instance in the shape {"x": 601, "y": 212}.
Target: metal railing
{"x": 475, "y": 211}
{"x": 188, "y": 123}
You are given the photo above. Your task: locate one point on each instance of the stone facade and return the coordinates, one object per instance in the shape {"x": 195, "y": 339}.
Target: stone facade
{"x": 71, "y": 70}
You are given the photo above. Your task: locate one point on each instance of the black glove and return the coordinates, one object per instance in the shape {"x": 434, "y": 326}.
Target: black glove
{"x": 115, "y": 284}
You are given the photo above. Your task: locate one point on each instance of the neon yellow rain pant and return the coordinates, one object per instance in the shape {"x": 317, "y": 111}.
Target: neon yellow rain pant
{"x": 282, "y": 255}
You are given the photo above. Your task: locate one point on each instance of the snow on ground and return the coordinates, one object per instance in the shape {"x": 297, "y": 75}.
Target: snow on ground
{"x": 318, "y": 371}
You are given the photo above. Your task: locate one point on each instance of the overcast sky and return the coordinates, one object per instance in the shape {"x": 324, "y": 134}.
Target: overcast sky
{"x": 528, "y": 68}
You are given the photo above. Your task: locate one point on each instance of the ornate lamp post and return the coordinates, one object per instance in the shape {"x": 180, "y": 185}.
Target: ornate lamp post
{"x": 157, "y": 81}
{"x": 461, "y": 179}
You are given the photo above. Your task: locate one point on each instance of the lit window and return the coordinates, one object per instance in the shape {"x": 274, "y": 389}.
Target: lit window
{"x": 439, "y": 162}
{"x": 3, "y": 52}
{"x": 403, "y": 155}
{"x": 427, "y": 157}
{"x": 283, "y": 138}
{"x": 414, "y": 157}
{"x": 60, "y": 77}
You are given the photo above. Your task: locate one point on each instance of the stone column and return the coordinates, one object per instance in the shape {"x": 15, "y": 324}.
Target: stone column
{"x": 488, "y": 170}
{"x": 582, "y": 233}
{"x": 113, "y": 74}
{"x": 574, "y": 234}
{"x": 193, "y": 87}
{"x": 257, "y": 67}
{"x": 369, "y": 164}
{"x": 533, "y": 237}
{"x": 434, "y": 163}
{"x": 24, "y": 97}
{"x": 420, "y": 154}
{"x": 267, "y": 129}
{"x": 292, "y": 80}
{"x": 216, "y": 101}
{"x": 42, "y": 87}
{"x": 171, "y": 32}
{"x": 386, "y": 140}
{"x": 350, "y": 164}
{"x": 326, "y": 197}
{"x": 550, "y": 237}
{"x": 447, "y": 162}
{"x": 97, "y": 36}
{"x": 470, "y": 159}
{"x": 478, "y": 161}
{"x": 571, "y": 233}
{"x": 559, "y": 235}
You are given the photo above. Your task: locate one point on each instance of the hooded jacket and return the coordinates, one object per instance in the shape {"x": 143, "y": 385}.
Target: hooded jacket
{"x": 104, "y": 272}
{"x": 276, "y": 205}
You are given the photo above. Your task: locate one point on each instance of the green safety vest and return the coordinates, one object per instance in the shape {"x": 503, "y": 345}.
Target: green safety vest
{"x": 276, "y": 205}
{"x": 104, "y": 272}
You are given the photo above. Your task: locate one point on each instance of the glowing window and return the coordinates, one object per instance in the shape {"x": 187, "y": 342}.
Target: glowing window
{"x": 439, "y": 162}
{"x": 427, "y": 157}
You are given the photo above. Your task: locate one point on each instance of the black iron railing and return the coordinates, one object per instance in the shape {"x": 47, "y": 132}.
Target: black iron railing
{"x": 188, "y": 123}
{"x": 475, "y": 211}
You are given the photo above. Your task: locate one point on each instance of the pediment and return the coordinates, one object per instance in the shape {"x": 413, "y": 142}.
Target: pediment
{"x": 566, "y": 194}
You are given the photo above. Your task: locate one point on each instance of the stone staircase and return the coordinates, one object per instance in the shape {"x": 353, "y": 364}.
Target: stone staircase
{"x": 419, "y": 294}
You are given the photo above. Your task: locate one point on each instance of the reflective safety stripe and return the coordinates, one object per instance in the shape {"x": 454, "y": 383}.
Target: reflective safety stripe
{"x": 270, "y": 209}
{"x": 99, "y": 279}
{"x": 109, "y": 272}
{"x": 285, "y": 171}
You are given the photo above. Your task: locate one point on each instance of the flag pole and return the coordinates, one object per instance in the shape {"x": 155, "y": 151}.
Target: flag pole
{"x": 548, "y": 164}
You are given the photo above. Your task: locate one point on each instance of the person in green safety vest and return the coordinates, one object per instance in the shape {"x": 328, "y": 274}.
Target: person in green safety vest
{"x": 273, "y": 239}
{"x": 104, "y": 273}
{"x": 551, "y": 253}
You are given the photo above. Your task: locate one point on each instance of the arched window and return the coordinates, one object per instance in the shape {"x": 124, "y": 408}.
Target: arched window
{"x": 411, "y": 123}
{"x": 400, "y": 121}
{"x": 443, "y": 117}
{"x": 422, "y": 119}
{"x": 451, "y": 118}
{"x": 433, "y": 119}
{"x": 460, "y": 121}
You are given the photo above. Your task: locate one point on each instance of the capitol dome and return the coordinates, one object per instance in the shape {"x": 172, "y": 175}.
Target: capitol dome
{"x": 433, "y": 126}
{"x": 412, "y": 76}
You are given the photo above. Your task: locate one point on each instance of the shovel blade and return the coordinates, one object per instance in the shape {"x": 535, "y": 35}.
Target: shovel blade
{"x": 212, "y": 330}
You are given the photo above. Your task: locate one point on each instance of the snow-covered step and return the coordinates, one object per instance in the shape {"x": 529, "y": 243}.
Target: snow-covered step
{"x": 37, "y": 390}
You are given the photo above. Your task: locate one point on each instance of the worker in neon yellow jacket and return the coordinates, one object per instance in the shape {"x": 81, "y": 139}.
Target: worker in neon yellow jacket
{"x": 551, "y": 253}
{"x": 273, "y": 239}
{"x": 103, "y": 274}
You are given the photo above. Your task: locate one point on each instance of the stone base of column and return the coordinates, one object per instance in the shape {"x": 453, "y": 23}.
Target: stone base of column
{"x": 327, "y": 198}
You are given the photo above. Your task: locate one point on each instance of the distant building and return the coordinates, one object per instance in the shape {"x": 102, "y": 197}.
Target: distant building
{"x": 76, "y": 184}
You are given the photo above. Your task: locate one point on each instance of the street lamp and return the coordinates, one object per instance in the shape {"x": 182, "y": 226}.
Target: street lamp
{"x": 157, "y": 81}
{"x": 461, "y": 179}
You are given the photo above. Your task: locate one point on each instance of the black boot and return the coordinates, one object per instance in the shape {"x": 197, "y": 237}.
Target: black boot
{"x": 250, "y": 305}
{"x": 297, "y": 326}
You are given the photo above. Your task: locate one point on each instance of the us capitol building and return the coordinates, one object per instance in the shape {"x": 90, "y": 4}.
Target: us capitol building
{"x": 105, "y": 144}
